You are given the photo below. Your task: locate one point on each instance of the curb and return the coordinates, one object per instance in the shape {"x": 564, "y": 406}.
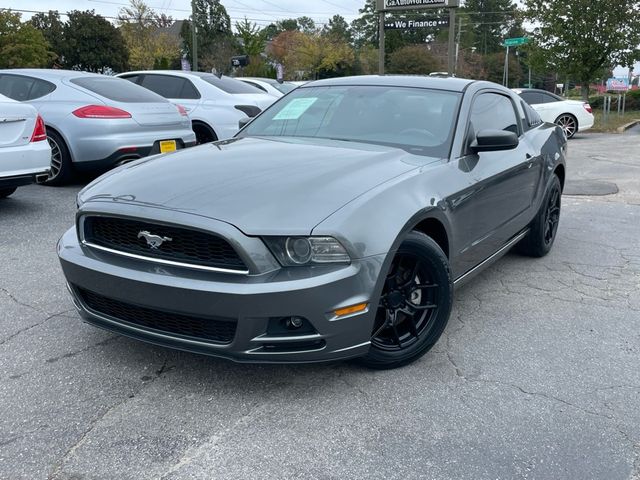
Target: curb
{"x": 627, "y": 126}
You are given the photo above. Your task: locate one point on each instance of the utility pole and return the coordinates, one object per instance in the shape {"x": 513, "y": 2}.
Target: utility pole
{"x": 452, "y": 39}
{"x": 381, "y": 45}
{"x": 194, "y": 38}
{"x": 455, "y": 66}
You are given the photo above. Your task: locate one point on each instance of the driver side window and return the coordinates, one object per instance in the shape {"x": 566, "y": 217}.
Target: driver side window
{"x": 492, "y": 111}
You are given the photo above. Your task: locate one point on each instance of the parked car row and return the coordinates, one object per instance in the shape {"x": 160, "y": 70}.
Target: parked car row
{"x": 95, "y": 122}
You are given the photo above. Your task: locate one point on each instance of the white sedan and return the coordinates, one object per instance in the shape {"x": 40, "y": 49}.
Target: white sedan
{"x": 25, "y": 155}
{"x": 572, "y": 115}
{"x": 215, "y": 104}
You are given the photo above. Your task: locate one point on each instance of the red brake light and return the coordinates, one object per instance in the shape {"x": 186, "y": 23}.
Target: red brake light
{"x": 101, "y": 111}
{"x": 182, "y": 110}
{"x": 39, "y": 131}
{"x": 587, "y": 107}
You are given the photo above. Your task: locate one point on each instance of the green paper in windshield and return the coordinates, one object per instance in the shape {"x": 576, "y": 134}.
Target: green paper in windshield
{"x": 295, "y": 108}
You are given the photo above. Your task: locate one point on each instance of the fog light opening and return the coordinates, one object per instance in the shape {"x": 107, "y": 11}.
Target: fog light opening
{"x": 293, "y": 323}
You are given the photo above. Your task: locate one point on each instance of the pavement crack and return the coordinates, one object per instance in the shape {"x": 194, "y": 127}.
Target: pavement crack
{"x": 30, "y": 327}
{"x": 59, "y": 465}
{"x": 82, "y": 350}
{"x": 192, "y": 453}
{"x": 18, "y": 302}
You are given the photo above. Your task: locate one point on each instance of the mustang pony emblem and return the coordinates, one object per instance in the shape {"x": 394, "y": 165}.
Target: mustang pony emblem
{"x": 154, "y": 241}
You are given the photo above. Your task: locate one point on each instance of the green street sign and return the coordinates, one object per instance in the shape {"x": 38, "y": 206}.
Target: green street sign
{"x": 514, "y": 42}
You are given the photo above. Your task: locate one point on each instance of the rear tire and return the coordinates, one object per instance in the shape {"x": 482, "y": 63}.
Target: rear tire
{"x": 5, "y": 192}
{"x": 61, "y": 171}
{"x": 414, "y": 306}
{"x": 543, "y": 228}
{"x": 568, "y": 123}
{"x": 204, "y": 133}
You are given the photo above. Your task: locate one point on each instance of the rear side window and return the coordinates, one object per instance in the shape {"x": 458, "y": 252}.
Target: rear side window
{"x": 492, "y": 111}
{"x": 548, "y": 98}
{"x": 169, "y": 86}
{"x": 21, "y": 88}
{"x": 532, "y": 98}
{"x": 254, "y": 85}
{"x": 117, "y": 89}
{"x": 229, "y": 85}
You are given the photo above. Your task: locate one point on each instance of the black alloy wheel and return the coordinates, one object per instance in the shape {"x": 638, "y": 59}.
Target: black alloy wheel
{"x": 568, "y": 123}
{"x": 414, "y": 306}
{"x": 544, "y": 227}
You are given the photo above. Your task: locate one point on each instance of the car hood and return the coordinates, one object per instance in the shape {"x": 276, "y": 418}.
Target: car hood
{"x": 262, "y": 186}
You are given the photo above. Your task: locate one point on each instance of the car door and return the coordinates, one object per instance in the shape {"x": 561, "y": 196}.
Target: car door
{"x": 498, "y": 202}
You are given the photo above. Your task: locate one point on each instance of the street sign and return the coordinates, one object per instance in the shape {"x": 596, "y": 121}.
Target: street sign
{"x": 514, "y": 42}
{"x": 391, "y": 5}
{"x": 240, "y": 61}
{"x": 415, "y": 24}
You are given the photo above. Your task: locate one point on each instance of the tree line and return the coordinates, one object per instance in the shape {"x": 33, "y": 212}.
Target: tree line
{"x": 574, "y": 40}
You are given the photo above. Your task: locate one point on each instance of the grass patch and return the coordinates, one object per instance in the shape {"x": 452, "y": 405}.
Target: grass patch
{"x": 613, "y": 121}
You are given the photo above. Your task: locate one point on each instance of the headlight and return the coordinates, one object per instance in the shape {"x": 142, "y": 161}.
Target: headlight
{"x": 298, "y": 251}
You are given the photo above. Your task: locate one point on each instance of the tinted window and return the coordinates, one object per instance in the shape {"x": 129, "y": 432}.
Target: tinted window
{"x": 132, "y": 78}
{"x": 21, "y": 88}
{"x": 229, "y": 85}
{"x": 548, "y": 98}
{"x": 492, "y": 111}
{"x": 532, "y": 98}
{"x": 420, "y": 121}
{"x": 254, "y": 85}
{"x": 117, "y": 89}
{"x": 164, "y": 85}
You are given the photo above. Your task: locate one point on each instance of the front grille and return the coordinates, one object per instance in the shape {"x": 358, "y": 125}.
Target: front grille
{"x": 215, "y": 329}
{"x": 178, "y": 244}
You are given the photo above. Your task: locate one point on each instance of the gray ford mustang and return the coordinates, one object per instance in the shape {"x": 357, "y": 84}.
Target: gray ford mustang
{"x": 335, "y": 225}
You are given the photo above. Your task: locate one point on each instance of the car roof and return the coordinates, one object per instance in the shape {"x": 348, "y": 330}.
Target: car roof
{"x": 49, "y": 73}
{"x": 177, "y": 73}
{"x": 452, "y": 84}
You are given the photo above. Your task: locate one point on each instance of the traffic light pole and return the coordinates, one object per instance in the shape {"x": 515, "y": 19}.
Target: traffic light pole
{"x": 381, "y": 44}
{"x": 194, "y": 38}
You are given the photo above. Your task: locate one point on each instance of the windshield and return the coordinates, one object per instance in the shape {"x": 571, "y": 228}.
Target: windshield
{"x": 418, "y": 120}
{"x": 284, "y": 87}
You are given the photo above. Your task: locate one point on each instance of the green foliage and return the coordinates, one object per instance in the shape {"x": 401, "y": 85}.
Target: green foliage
{"x": 252, "y": 37}
{"x": 415, "y": 60}
{"x": 486, "y": 23}
{"x": 52, "y": 28}
{"x": 148, "y": 47}
{"x": 216, "y": 43}
{"x": 92, "y": 43}
{"x": 338, "y": 28}
{"x": 632, "y": 102}
{"x": 21, "y": 44}
{"x": 579, "y": 39}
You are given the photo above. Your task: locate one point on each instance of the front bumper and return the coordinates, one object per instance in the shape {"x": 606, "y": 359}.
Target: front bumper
{"x": 249, "y": 300}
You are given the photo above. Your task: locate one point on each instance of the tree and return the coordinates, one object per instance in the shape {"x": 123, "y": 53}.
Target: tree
{"x": 487, "y": 23}
{"x": 216, "y": 43}
{"x": 52, "y": 29}
{"x": 92, "y": 43}
{"x": 580, "y": 38}
{"x": 414, "y": 59}
{"x": 338, "y": 29}
{"x": 148, "y": 46}
{"x": 254, "y": 43}
{"x": 365, "y": 28}
{"x": 21, "y": 44}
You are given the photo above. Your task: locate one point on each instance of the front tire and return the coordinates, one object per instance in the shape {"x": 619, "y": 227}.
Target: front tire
{"x": 414, "y": 306}
{"x": 5, "y": 192}
{"x": 204, "y": 133}
{"x": 543, "y": 228}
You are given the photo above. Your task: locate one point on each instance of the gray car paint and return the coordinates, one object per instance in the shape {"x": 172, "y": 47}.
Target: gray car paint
{"x": 483, "y": 202}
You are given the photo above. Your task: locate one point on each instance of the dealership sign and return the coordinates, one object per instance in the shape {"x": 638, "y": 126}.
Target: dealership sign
{"x": 414, "y": 24}
{"x": 390, "y": 5}
{"x": 618, "y": 84}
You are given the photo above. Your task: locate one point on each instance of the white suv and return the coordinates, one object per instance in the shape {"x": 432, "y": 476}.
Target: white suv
{"x": 25, "y": 154}
{"x": 215, "y": 104}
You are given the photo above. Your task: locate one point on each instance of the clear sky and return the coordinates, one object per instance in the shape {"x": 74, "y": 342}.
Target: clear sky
{"x": 261, "y": 12}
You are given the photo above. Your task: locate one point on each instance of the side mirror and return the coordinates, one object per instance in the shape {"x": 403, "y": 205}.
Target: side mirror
{"x": 243, "y": 122}
{"x": 494, "y": 140}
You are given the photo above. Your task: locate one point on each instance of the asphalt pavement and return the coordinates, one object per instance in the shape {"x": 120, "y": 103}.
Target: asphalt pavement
{"x": 536, "y": 377}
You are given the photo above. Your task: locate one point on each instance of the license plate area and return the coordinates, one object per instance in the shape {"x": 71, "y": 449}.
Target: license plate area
{"x": 167, "y": 146}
